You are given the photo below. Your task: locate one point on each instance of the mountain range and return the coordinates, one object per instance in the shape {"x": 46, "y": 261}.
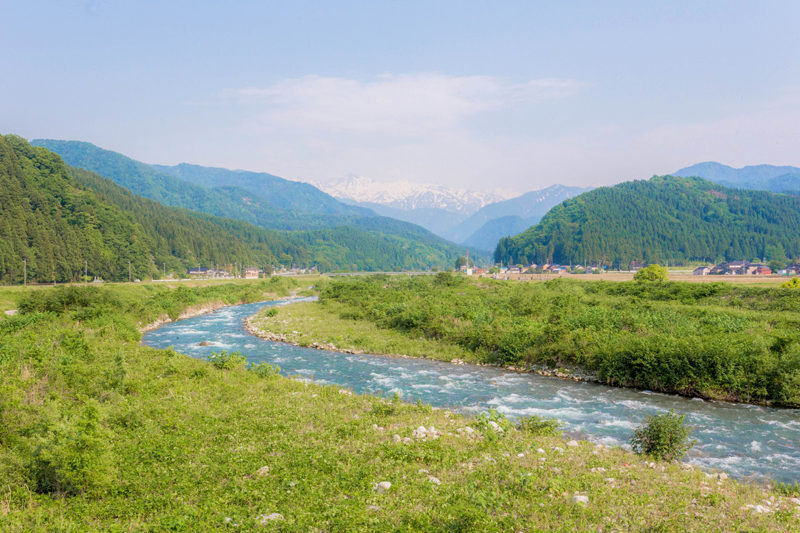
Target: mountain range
{"x": 665, "y": 219}
{"x": 335, "y": 234}
{"x": 407, "y": 196}
{"x": 474, "y": 219}
{"x": 755, "y": 177}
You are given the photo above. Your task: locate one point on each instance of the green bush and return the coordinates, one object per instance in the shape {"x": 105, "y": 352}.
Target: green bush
{"x": 662, "y": 436}
{"x": 73, "y": 456}
{"x": 793, "y": 283}
{"x": 227, "y": 361}
{"x": 540, "y": 426}
{"x": 652, "y": 273}
{"x": 265, "y": 370}
{"x": 488, "y": 424}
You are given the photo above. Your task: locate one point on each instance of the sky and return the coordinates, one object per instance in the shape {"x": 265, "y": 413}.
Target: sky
{"x": 474, "y": 94}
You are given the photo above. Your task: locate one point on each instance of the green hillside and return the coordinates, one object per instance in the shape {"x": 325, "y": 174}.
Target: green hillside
{"x": 664, "y": 219}
{"x": 283, "y": 193}
{"x": 62, "y": 220}
{"x": 267, "y": 201}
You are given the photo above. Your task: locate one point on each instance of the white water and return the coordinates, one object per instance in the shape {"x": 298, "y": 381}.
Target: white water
{"x": 744, "y": 440}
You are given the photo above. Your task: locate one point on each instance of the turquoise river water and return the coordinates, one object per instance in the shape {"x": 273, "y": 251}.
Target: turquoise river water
{"x": 746, "y": 441}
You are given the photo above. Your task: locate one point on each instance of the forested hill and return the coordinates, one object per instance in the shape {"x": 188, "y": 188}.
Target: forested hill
{"x": 57, "y": 217}
{"x": 267, "y": 201}
{"x": 664, "y": 219}
{"x": 61, "y": 220}
{"x": 200, "y": 188}
{"x": 282, "y": 193}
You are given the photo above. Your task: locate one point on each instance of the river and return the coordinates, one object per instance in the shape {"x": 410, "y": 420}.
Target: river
{"x": 747, "y": 441}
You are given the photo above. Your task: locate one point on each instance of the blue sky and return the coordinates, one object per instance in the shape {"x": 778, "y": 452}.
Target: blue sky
{"x": 476, "y": 94}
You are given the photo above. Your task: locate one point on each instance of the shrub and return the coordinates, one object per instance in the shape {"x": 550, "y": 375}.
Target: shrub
{"x": 73, "y": 456}
{"x": 491, "y": 423}
{"x": 272, "y": 311}
{"x": 62, "y": 299}
{"x": 793, "y": 283}
{"x": 265, "y": 370}
{"x": 540, "y": 426}
{"x": 227, "y": 361}
{"x": 652, "y": 273}
{"x": 662, "y": 436}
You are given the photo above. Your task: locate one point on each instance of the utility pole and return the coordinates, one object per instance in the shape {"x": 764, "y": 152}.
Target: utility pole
{"x": 25, "y": 272}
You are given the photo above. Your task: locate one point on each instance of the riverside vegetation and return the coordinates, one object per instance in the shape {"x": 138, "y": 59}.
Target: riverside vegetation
{"x": 713, "y": 340}
{"x": 100, "y": 433}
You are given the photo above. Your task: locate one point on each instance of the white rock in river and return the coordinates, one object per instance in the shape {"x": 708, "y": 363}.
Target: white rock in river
{"x": 382, "y": 487}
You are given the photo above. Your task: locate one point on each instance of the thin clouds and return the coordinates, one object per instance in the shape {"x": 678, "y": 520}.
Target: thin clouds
{"x": 408, "y": 104}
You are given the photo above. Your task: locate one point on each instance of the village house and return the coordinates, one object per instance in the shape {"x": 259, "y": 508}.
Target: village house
{"x": 208, "y": 273}
{"x": 738, "y": 268}
{"x": 251, "y": 273}
{"x": 791, "y": 270}
{"x": 702, "y": 271}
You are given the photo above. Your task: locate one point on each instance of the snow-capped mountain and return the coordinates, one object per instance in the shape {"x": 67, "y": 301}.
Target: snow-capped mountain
{"x": 409, "y": 196}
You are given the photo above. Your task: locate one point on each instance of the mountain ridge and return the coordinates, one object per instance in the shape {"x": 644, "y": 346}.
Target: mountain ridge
{"x": 663, "y": 219}
{"x": 773, "y": 178}
{"x": 241, "y": 204}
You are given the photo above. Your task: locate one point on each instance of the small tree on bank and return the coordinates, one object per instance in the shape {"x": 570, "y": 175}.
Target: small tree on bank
{"x": 652, "y": 273}
{"x": 662, "y": 436}
{"x": 793, "y": 283}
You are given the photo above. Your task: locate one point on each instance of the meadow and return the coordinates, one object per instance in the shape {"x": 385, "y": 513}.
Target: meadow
{"x": 711, "y": 340}
{"x": 100, "y": 433}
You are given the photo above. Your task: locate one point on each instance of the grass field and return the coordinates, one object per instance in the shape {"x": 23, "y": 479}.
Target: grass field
{"x": 307, "y": 323}
{"x": 100, "y": 433}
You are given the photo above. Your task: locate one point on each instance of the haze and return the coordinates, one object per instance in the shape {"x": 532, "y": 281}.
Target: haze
{"x": 481, "y": 95}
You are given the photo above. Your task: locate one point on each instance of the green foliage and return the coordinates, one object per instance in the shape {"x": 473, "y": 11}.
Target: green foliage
{"x": 663, "y": 437}
{"x": 271, "y": 312}
{"x": 62, "y": 299}
{"x": 493, "y": 425}
{"x": 464, "y": 262}
{"x": 712, "y": 340}
{"x": 664, "y": 219}
{"x": 128, "y": 437}
{"x": 227, "y": 361}
{"x": 539, "y": 425}
{"x": 72, "y": 456}
{"x": 264, "y": 370}
{"x": 790, "y": 490}
{"x": 793, "y": 283}
{"x": 652, "y": 273}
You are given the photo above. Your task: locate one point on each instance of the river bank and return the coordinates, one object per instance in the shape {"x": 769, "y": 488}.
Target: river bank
{"x": 313, "y": 326}
{"x": 715, "y": 341}
{"x": 575, "y": 463}
{"x": 168, "y": 442}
